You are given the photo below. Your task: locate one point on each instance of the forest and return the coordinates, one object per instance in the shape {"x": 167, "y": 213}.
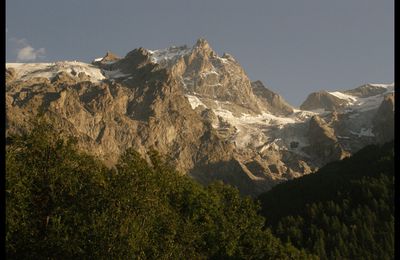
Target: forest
{"x": 343, "y": 211}
{"x": 62, "y": 203}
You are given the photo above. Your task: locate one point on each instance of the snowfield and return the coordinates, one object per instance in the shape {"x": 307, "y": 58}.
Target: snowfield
{"x": 26, "y": 71}
{"x": 364, "y": 104}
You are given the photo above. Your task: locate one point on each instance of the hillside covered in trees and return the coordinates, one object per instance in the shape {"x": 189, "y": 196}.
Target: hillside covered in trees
{"x": 64, "y": 204}
{"x": 344, "y": 211}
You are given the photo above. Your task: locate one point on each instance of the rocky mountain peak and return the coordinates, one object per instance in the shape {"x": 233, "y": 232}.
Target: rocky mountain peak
{"x": 134, "y": 60}
{"x": 201, "y": 50}
{"x": 142, "y": 52}
{"x": 107, "y": 59}
{"x": 201, "y": 72}
{"x": 273, "y": 102}
{"x": 202, "y": 43}
{"x": 322, "y": 100}
{"x": 367, "y": 90}
{"x": 110, "y": 57}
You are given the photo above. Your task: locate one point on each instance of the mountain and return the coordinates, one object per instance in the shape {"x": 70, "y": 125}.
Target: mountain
{"x": 343, "y": 211}
{"x": 199, "y": 109}
{"x": 322, "y": 100}
{"x": 273, "y": 102}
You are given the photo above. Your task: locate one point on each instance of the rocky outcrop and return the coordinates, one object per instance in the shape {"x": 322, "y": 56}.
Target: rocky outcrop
{"x": 383, "y": 121}
{"x": 10, "y": 75}
{"x": 323, "y": 141}
{"x": 108, "y": 59}
{"x": 322, "y": 100}
{"x": 217, "y": 78}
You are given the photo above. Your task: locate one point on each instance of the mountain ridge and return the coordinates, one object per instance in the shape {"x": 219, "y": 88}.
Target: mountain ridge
{"x": 197, "y": 107}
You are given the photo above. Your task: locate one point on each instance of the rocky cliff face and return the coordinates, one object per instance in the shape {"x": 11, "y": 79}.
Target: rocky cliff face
{"x": 383, "y": 121}
{"x": 324, "y": 144}
{"x": 199, "y": 109}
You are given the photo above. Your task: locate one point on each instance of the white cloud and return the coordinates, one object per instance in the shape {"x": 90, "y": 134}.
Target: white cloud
{"x": 28, "y": 53}
{"x": 25, "y": 51}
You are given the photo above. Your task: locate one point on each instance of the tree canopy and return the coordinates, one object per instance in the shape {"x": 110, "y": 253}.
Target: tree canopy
{"x": 344, "y": 211}
{"x": 63, "y": 203}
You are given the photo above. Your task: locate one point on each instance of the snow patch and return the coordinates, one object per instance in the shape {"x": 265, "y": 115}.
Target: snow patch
{"x": 387, "y": 86}
{"x": 164, "y": 56}
{"x": 114, "y": 74}
{"x": 351, "y": 99}
{"x": 364, "y": 132}
{"x": 194, "y": 101}
{"x": 277, "y": 144}
{"x": 250, "y": 128}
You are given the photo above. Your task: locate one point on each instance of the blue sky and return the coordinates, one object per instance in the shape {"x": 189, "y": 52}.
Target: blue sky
{"x": 294, "y": 47}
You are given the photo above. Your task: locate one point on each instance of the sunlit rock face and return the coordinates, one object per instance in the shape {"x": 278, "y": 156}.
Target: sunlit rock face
{"x": 199, "y": 109}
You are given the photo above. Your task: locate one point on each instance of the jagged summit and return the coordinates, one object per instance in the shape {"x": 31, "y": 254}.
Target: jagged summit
{"x": 200, "y": 72}
{"x": 202, "y": 44}
{"x": 169, "y": 56}
{"x": 109, "y": 57}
